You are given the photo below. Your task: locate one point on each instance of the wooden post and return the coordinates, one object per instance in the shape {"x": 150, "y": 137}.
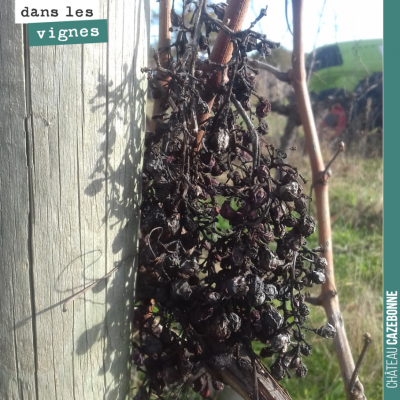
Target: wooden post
{"x": 71, "y": 126}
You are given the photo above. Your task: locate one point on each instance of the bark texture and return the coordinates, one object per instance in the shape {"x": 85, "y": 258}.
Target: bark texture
{"x": 70, "y": 159}
{"x": 251, "y": 386}
{"x": 221, "y": 53}
{"x": 329, "y": 297}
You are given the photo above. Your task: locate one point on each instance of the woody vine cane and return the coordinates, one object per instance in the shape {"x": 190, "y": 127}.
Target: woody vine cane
{"x": 328, "y": 297}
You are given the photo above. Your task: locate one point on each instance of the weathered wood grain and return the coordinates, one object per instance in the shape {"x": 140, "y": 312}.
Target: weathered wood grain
{"x": 17, "y": 367}
{"x": 71, "y": 126}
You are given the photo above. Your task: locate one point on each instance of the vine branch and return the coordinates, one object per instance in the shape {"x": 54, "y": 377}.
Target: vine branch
{"x": 328, "y": 297}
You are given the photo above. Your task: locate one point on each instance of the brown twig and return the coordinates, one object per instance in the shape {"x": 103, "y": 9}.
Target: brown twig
{"x": 282, "y": 76}
{"x": 328, "y": 297}
{"x": 340, "y": 149}
{"x": 195, "y": 44}
{"x": 367, "y": 343}
{"x": 196, "y": 35}
{"x": 309, "y": 73}
{"x": 164, "y": 42}
{"x": 222, "y": 52}
{"x": 324, "y": 176}
{"x": 252, "y": 130}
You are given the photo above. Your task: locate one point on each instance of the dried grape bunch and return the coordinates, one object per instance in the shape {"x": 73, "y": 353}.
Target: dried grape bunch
{"x": 223, "y": 258}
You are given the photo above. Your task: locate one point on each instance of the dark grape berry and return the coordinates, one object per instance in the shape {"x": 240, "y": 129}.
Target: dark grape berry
{"x": 306, "y": 226}
{"x": 301, "y": 371}
{"x": 321, "y": 263}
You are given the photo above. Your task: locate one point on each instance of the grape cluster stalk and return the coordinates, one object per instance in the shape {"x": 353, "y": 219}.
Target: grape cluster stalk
{"x": 223, "y": 257}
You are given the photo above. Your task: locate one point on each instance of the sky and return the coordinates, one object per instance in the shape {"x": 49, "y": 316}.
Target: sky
{"x": 342, "y": 20}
